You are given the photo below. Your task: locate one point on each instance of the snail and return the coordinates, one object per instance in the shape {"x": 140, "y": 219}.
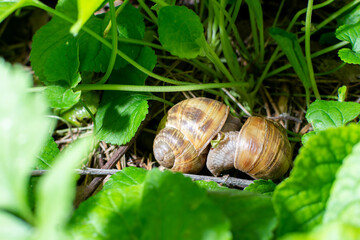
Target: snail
{"x": 260, "y": 149}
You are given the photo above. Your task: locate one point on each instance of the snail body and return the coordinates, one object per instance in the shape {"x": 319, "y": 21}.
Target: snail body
{"x": 260, "y": 149}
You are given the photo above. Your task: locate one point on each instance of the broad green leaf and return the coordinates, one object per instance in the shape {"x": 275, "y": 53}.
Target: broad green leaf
{"x": 180, "y": 31}
{"x": 47, "y": 155}
{"x": 78, "y": 112}
{"x": 8, "y": 7}
{"x": 265, "y": 187}
{"x": 129, "y": 176}
{"x": 56, "y": 191}
{"x": 86, "y": 9}
{"x": 350, "y": 33}
{"x": 94, "y": 56}
{"x": 291, "y": 47}
{"x": 332, "y": 231}
{"x": 61, "y": 97}
{"x": 252, "y": 215}
{"x": 121, "y": 113}
{"x": 344, "y": 201}
{"x": 14, "y": 228}
{"x": 330, "y": 114}
{"x": 164, "y": 205}
{"x": 174, "y": 207}
{"x": 350, "y": 17}
{"x": 301, "y": 199}
{"x": 23, "y": 130}
{"x": 55, "y": 54}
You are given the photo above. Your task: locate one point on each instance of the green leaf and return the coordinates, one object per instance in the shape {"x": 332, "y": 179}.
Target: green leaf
{"x": 180, "y": 31}
{"x": 78, "y": 112}
{"x": 330, "y": 114}
{"x": 350, "y": 33}
{"x": 61, "y": 97}
{"x": 349, "y": 17}
{"x": 252, "y": 215}
{"x": 56, "y": 190}
{"x": 23, "y": 130}
{"x": 94, "y": 56}
{"x": 301, "y": 199}
{"x": 129, "y": 176}
{"x": 121, "y": 113}
{"x": 55, "y": 54}
{"x": 165, "y": 205}
{"x": 291, "y": 47}
{"x": 344, "y": 201}
{"x": 8, "y": 7}
{"x": 333, "y": 231}
{"x": 13, "y": 227}
{"x": 86, "y": 9}
{"x": 47, "y": 155}
{"x": 210, "y": 185}
{"x": 265, "y": 187}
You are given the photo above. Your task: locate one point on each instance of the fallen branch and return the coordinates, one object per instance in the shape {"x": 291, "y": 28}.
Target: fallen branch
{"x": 226, "y": 180}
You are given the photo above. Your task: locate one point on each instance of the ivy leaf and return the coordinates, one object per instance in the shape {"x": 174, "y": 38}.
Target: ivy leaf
{"x": 8, "y": 7}
{"x": 47, "y": 155}
{"x": 86, "y": 9}
{"x": 55, "y": 55}
{"x": 330, "y": 114}
{"x": 265, "y": 187}
{"x": 23, "y": 130}
{"x": 289, "y": 44}
{"x": 159, "y": 206}
{"x": 344, "y": 201}
{"x": 351, "y": 34}
{"x": 252, "y": 215}
{"x": 61, "y": 97}
{"x": 180, "y": 31}
{"x": 56, "y": 190}
{"x": 94, "y": 56}
{"x": 121, "y": 113}
{"x": 300, "y": 206}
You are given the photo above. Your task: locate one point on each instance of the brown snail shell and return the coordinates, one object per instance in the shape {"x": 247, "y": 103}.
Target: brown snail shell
{"x": 261, "y": 150}
{"x": 190, "y": 126}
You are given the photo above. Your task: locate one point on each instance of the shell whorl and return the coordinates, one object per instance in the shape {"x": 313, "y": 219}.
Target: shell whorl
{"x": 190, "y": 126}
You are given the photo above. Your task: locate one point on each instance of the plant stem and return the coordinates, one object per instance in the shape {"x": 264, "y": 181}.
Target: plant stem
{"x": 148, "y": 11}
{"x": 118, "y": 11}
{"x": 138, "y": 88}
{"x": 308, "y": 51}
{"x": 278, "y": 13}
{"x": 114, "y": 40}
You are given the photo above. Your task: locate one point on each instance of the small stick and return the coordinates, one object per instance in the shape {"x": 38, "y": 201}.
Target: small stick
{"x": 236, "y": 102}
{"x": 226, "y": 180}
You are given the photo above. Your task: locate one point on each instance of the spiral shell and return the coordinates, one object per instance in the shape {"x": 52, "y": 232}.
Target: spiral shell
{"x": 263, "y": 150}
{"x": 190, "y": 126}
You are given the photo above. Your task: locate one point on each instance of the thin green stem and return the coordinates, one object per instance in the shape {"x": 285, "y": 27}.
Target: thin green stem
{"x": 148, "y": 11}
{"x": 138, "y": 88}
{"x": 160, "y": 2}
{"x": 278, "y": 13}
{"x": 114, "y": 42}
{"x": 118, "y": 11}
{"x": 308, "y": 51}
{"x": 226, "y": 46}
{"x": 254, "y": 32}
{"x": 141, "y": 42}
{"x": 314, "y": 55}
{"x": 216, "y": 60}
{"x": 332, "y": 70}
{"x": 243, "y": 48}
